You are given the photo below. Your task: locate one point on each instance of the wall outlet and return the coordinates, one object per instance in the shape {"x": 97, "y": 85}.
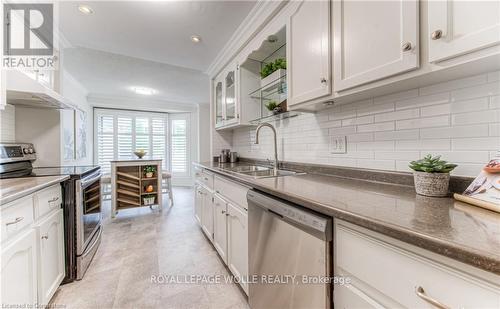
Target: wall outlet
{"x": 338, "y": 144}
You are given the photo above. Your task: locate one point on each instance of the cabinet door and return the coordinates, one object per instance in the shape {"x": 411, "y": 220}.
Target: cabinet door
{"x": 198, "y": 201}
{"x": 230, "y": 97}
{"x": 458, "y": 27}
{"x": 309, "y": 52}
{"x": 219, "y": 117}
{"x": 220, "y": 230}
{"x": 373, "y": 40}
{"x": 207, "y": 216}
{"x": 237, "y": 242}
{"x": 51, "y": 256}
{"x": 19, "y": 271}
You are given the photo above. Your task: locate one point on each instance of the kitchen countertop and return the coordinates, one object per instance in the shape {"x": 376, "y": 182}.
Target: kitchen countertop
{"x": 442, "y": 225}
{"x": 14, "y": 188}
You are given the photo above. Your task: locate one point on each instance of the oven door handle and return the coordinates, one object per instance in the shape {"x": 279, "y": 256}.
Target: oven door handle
{"x": 90, "y": 180}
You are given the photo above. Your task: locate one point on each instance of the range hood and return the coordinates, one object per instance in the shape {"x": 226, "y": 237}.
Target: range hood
{"x": 27, "y": 92}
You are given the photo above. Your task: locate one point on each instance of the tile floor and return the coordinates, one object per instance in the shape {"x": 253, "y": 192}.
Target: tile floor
{"x": 140, "y": 243}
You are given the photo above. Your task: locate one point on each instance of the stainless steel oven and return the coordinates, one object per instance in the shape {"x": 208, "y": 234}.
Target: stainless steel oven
{"x": 88, "y": 220}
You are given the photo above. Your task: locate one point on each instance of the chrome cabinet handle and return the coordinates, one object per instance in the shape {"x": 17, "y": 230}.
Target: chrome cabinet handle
{"x": 223, "y": 212}
{"x": 421, "y": 293}
{"x": 17, "y": 220}
{"x": 54, "y": 199}
{"x": 407, "y": 46}
{"x": 45, "y": 237}
{"x": 323, "y": 80}
{"x": 436, "y": 35}
{"x": 206, "y": 179}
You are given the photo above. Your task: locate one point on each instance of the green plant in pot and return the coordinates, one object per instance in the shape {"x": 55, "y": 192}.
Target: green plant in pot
{"x": 432, "y": 175}
{"x": 271, "y": 67}
{"x": 149, "y": 171}
{"x": 274, "y": 107}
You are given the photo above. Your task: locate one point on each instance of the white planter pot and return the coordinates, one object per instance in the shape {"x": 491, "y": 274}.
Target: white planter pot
{"x": 432, "y": 184}
{"x": 272, "y": 78}
{"x": 149, "y": 200}
{"x": 149, "y": 175}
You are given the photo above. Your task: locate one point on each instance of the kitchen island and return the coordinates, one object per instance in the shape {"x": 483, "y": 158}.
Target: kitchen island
{"x": 135, "y": 183}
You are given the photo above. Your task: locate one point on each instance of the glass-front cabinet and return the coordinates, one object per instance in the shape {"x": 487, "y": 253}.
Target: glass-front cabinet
{"x": 230, "y": 97}
{"x": 219, "y": 116}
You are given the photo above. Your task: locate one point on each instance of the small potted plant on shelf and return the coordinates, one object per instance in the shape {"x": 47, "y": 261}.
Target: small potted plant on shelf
{"x": 149, "y": 199}
{"x": 149, "y": 171}
{"x": 273, "y": 71}
{"x": 432, "y": 175}
{"x": 274, "y": 107}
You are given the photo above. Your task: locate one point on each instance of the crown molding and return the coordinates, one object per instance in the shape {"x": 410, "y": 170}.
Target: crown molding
{"x": 259, "y": 16}
{"x": 143, "y": 104}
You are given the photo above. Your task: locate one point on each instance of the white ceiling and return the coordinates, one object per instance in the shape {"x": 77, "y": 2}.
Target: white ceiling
{"x": 111, "y": 75}
{"x": 159, "y": 31}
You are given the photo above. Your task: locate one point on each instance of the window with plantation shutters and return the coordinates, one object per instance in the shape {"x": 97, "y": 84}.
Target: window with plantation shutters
{"x": 119, "y": 133}
{"x": 179, "y": 140}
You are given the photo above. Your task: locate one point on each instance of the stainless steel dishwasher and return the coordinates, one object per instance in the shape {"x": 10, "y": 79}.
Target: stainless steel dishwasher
{"x": 290, "y": 255}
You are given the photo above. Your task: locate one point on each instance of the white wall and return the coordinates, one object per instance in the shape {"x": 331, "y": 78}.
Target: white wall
{"x": 8, "y": 124}
{"x": 459, "y": 119}
{"x": 204, "y": 133}
{"x": 77, "y": 94}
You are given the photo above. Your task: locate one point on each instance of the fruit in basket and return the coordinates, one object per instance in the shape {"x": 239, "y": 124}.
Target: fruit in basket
{"x": 149, "y": 188}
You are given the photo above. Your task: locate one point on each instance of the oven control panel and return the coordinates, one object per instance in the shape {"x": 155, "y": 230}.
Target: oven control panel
{"x": 12, "y": 152}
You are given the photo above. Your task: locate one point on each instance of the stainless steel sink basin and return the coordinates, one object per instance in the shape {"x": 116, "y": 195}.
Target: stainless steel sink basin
{"x": 248, "y": 168}
{"x": 257, "y": 171}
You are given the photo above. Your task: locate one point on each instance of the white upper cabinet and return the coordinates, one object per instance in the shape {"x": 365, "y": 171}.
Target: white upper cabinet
{"x": 309, "y": 52}
{"x": 219, "y": 117}
{"x": 460, "y": 27}
{"x": 373, "y": 40}
{"x": 230, "y": 105}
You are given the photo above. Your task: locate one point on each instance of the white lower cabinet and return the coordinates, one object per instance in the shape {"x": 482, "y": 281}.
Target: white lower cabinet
{"x": 207, "y": 213}
{"x": 237, "y": 243}
{"x": 50, "y": 234}
{"x": 19, "y": 271}
{"x": 386, "y": 272}
{"x": 198, "y": 201}
{"x": 220, "y": 228}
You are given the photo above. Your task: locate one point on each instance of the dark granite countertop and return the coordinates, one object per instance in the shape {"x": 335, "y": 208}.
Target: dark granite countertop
{"x": 443, "y": 225}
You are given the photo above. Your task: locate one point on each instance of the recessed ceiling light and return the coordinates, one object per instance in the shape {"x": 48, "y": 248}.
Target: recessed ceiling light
{"x": 85, "y": 9}
{"x": 144, "y": 90}
{"x": 196, "y": 38}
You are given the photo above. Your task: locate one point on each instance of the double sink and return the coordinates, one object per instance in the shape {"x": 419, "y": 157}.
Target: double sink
{"x": 259, "y": 171}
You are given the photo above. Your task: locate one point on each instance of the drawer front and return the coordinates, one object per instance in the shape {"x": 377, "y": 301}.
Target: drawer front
{"x": 16, "y": 216}
{"x": 398, "y": 273}
{"x": 232, "y": 191}
{"x": 47, "y": 200}
{"x": 197, "y": 173}
{"x": 207, "y": 179}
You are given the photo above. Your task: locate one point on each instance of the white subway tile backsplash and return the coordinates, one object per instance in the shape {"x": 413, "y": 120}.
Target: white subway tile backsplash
{"x": 458, "y": 119}
{"x": 438, "y": 121}
{"x": 487, "y": 116}
{"x": 439, "y": 98}
{"x": 375, "y": 127}
{"x": 404, "y": 114}
{"x": 477, "y": 130}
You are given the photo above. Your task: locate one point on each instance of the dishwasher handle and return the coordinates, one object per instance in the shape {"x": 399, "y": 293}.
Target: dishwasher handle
{"x": 316, "y": 224}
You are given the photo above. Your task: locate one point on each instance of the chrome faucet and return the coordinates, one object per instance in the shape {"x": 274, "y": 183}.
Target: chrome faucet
{"x": 265, "y": 124}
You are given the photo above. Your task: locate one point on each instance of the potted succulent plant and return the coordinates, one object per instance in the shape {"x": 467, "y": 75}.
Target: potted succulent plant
{"x": 149, "y": 171}
{"x": 149, "y": 199}
{"x": 432, "y": 175}
{"x": 274, "y": 107}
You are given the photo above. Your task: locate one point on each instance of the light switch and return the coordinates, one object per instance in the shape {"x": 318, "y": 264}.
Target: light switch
{"x": 338, "y": 144}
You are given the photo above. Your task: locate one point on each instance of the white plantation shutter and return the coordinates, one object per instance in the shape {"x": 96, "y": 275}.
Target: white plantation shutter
{"x": 119, "y": 133}
{"x": 180, "y": 147}
{"x": 105, "y": 145}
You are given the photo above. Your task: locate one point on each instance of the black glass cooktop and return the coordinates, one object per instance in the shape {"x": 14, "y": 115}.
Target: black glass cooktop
{"x": 73, "y": 171}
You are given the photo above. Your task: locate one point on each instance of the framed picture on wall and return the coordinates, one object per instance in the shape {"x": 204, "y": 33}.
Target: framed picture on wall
{"x": 68, "y": 124}
{"x": 81, "y": 134}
